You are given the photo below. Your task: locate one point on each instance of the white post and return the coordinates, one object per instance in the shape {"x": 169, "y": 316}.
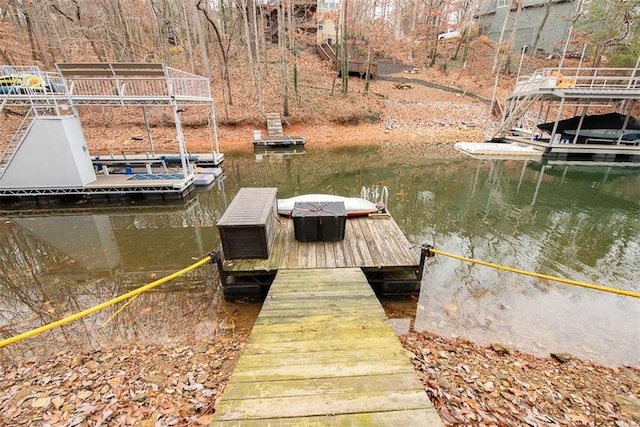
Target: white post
{"x": 521, "y": 58}
{"x": 566, "y": 45}
{"x": 146, "y": 124}
{"x": 555, "y": 125}
{"x": 179, "y": 134}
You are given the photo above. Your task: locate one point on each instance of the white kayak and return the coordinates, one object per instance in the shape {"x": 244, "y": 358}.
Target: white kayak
{"x": 353, "y": 205}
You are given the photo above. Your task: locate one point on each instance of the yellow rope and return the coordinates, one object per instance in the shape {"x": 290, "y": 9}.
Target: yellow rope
{"x": 99, "y": 307}
{"x": 541, "y": 276}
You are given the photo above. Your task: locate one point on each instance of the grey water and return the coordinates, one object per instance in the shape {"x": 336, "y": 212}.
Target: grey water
{"x": 579, "y": 222}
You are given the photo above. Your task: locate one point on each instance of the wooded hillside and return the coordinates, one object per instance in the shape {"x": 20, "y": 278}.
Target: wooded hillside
{"x": 251, "y": 73}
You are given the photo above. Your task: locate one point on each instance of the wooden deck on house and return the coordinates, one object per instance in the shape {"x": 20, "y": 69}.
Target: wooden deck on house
{"x": 323, "y": 353}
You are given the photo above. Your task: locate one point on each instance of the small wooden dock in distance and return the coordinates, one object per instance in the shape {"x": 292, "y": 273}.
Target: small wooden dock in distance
{"x": 323, "y": 353}
{"x": 375, "y": 244}
{"x": 275, "y": 135}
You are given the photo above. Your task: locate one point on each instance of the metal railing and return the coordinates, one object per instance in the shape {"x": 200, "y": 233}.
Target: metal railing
{"x": 579, "y": 78}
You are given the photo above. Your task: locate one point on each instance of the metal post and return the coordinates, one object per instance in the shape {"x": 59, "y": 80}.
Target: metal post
{"x": 566, "y": 45}
{"x": 213, "y": 124}
{"x": 425, "y": 252}
{"x": 626, "y": 121}
{"x": 535, "y": 126}
{"x": 524, "y": 47}
{"x": 217, "y": 259}
{"x": 146, "y": 124}
{"x": 178, "y": 122}
{"x": 555, "y": 125}
{"x": 584, "y": 112}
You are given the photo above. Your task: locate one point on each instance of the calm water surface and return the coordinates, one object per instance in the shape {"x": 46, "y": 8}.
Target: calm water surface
{"x": 576, "y": 222}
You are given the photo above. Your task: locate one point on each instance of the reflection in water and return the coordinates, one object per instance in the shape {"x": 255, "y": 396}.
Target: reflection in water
{"x": 576, "y": 222}
{"x": 66, "y": 261}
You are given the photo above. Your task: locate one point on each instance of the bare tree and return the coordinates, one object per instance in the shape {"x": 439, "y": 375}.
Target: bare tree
{"x": 344, "y": 57}
{"x": 283, "y": 59}
{"x": 224, "y": 52}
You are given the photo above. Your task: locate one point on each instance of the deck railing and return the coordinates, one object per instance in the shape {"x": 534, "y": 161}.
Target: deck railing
{"x": 579, "y": 78}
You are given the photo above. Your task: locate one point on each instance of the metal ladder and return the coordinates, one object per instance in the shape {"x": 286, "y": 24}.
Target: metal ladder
{"x": 17, "y": 139}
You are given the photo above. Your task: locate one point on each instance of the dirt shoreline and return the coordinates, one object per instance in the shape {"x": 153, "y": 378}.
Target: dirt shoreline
{"x": 179, "y": 384}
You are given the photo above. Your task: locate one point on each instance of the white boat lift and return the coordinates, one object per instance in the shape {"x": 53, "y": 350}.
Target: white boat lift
{"x": 52, "y": 123}
{"x": 554, "y": 94}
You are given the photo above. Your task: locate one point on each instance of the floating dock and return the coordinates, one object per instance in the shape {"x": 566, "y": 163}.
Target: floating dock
{"x": 275, "y": 135}
{"x": 374, "y": 244}
{"x": 497, "y": 150}
{"x": 323, "y": 353}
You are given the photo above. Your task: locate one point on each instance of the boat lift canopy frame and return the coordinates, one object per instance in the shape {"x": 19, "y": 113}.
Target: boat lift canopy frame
{"x": 121, "y": 84}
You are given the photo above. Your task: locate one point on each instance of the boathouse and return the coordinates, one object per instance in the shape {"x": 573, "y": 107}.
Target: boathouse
{"x": 536, "y": 114}
{"x": 48, "y": 154}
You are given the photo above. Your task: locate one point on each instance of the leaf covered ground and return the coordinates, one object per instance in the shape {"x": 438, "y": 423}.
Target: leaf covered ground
{"x": 178, "y": 384}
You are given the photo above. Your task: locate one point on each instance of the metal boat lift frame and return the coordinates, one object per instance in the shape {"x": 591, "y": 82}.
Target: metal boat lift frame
{"x": 114, "y": 85}
{"x": 553, "y": 91}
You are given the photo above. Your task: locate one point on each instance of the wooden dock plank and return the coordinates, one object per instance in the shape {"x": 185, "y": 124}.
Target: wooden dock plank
{"x": 413, "y": 417}
{"x": 323, "y": 350}
{"x": 319, "y": 357}
{"x": 368, "y": 242}
{"x": 332, "y": 344}
{"x": 299, "y": 406}
{"x": 315, "y": 386}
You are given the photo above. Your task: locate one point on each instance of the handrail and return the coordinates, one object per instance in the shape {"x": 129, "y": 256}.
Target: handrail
{"x": 614, "y": 78}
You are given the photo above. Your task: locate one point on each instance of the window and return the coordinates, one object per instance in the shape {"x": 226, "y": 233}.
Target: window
{"x": 503, "y": 3}
{"x": 320, "y": 27}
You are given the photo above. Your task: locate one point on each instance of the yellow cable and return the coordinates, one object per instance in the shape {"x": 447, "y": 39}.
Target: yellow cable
{"x": 541, "y": 276}
{"x": 99, "y": 307}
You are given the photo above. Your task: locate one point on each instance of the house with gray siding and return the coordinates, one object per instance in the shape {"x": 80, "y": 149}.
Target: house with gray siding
{"x": 491, "y": 18}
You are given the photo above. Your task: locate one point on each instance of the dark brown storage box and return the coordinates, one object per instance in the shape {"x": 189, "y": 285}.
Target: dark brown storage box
{"x": 319, "y": 221}
{"x": 248, "y": 226}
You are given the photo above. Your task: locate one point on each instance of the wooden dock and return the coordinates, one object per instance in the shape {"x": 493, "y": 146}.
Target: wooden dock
{"x": 374, "y": 244}
{"x": 323, "y": 353}
{"x": 275, "y": 135}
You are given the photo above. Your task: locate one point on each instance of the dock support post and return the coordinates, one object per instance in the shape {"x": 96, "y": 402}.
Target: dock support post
{"x": 217, "y": 259}
{"x": 425, "y": 252}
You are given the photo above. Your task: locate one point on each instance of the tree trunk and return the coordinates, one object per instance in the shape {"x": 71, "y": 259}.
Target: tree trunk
{"x": 343, "y": 48}
{"x": 283, "y": 59}
{"x": 225, "y": 59}
{"x": 496, "y": 55}
{"x": 202, "y": 42}
{"x": 248, "y": 45}
{"x": 536, "y": 40}
{"x": 258, "y": 36}
{"x": 512, "y": 37}
{"x": 32, "y": 36}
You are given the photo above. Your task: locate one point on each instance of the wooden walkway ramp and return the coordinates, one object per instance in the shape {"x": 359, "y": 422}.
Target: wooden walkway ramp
{"x": 323, "y": 353}
{"x": 274, "y": 125}
{"x": 276, "y": 136}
